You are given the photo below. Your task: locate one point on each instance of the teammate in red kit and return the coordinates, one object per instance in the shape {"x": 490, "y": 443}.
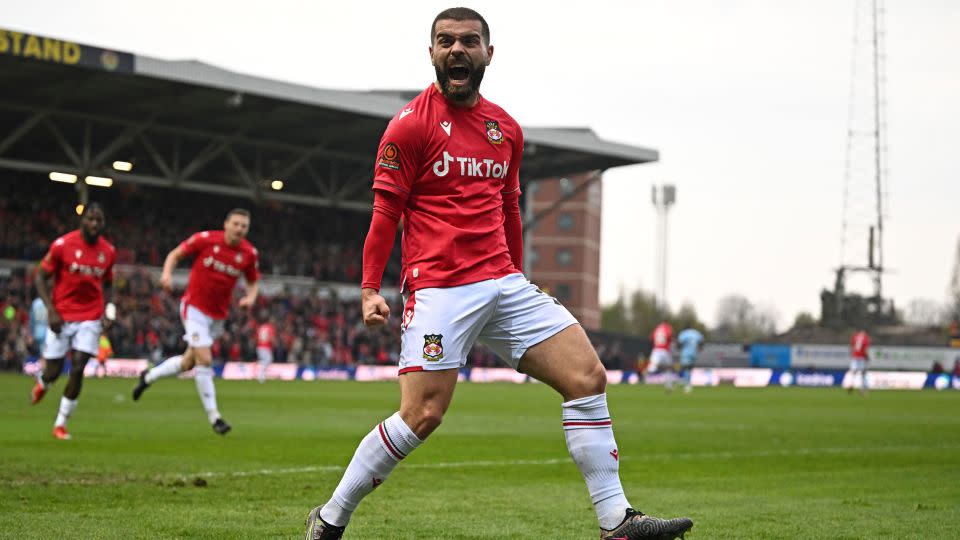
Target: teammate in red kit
{"x": 81, "y": 266}
{"x": 220, "y": 258}
{"x": 661, "y": 359}
{"x": 859, "y": 356}
{"x": 448, "y": 165}
{"x": 266, "y": 340}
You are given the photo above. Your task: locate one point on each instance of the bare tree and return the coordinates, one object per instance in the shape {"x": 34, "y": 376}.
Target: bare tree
{"x": 926, "y": 312}
{"x": 739, "y": 319}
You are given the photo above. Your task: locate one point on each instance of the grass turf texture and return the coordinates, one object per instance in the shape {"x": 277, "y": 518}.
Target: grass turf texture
{"x": 743, "y": 463}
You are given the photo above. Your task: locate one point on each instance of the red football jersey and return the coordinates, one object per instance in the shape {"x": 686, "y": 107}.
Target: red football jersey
{"x": 451, "y": 166}
{"x": 662, "y": 336}
{"x": 79, "y": 270}
{"x": 216, "y": 267}
{"x": 860, "y": 345}
{"x": 266, "y": 333}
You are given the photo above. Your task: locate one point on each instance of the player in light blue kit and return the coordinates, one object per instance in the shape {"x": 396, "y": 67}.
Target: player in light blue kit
{"x": 690, "y": 342}
{"x": 38, "y": 323}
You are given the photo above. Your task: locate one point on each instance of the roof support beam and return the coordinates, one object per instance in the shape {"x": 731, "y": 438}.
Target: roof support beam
{"x": 62, "y": 141}
{"x": 21, "y": 130}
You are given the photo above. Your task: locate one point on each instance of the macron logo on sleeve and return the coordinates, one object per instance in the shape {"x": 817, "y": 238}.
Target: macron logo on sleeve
{"x": 405, "y": 112}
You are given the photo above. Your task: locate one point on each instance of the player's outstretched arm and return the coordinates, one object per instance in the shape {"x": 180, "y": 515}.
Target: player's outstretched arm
{"x": 376, "y": 250}
{"x": 374, "y": 307}
{"x": 253, "y": 289}
{"x": 173, "y": 258}
{"x": 110, "y": 309}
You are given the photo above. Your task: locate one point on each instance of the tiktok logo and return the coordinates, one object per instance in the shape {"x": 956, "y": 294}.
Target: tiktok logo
{"x": 480, "y": 168}
{"x": 447, "y": 158}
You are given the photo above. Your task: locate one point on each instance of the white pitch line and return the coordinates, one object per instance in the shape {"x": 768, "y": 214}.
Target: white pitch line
{"x": 564, "y": 460}
{"x": 108, "y": 479}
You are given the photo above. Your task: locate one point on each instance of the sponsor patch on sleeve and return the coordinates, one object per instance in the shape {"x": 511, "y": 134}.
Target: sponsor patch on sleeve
{"x": 390, "y": 157}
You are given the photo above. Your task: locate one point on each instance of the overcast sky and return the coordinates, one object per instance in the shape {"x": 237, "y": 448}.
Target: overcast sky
{"x": 747, "y": 102}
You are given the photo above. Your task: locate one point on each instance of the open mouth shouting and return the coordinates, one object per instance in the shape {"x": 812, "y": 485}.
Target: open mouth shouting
{"x": 459, "y": 80}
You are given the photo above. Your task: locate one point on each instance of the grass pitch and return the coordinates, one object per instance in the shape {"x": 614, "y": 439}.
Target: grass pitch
{"x": 743, "y": 463}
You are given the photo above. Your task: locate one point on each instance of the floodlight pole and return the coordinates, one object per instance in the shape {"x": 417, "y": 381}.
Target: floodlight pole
{"x": 663, "y": 197}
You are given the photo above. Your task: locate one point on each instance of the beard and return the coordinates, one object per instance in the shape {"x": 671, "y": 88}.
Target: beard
{"x": 460, "y": 94}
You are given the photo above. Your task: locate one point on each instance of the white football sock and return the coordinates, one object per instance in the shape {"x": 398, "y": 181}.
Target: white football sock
{"x": 262, "y": 374}
{"x": 378, "y": 453}
{"x": 67, "y": 406}
{"x": 589, "y": 434}
{"x": 171, "y": 367}
{"x": 203, "y": 376}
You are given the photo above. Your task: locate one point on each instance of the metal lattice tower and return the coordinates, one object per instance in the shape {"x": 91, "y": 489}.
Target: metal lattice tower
{"x": 865, "y": 186}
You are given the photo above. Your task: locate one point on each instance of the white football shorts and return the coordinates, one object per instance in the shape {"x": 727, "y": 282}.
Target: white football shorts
{"x": 858, "y": 364}
{"x": 83, "y": 336}
{"x": 265, "y": 355}
{"x": 509, "y": 315}
{"x": 660, "y": 360}
{"x": 199, "y": 329}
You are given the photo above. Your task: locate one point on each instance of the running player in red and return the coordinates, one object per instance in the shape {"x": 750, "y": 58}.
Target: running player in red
{"x": 859, "y": 356}
{"x": 266, "y": 340}
{"x": 81, "y": 266}
{"x": 448, "y": 165}
{"x": 220, "y": 258}
{"x": 661, "y": 360}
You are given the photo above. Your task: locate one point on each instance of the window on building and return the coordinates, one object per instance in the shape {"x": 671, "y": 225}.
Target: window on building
{"x": 564, "y": 221}
{"x": 567, "y": 186}
{"x": 562, "y": 292}
{"x": 564, "y": 257}
{"x": 531, "y": 257}
{"x": 593, "y": 194}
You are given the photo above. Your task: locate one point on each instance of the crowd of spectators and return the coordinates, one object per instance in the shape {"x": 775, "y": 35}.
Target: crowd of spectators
{"x": 145, "y": 224}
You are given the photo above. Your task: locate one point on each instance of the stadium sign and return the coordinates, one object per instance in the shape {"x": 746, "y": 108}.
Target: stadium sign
{"x": 57, "y": 51}
{"x": 881, "y": 357}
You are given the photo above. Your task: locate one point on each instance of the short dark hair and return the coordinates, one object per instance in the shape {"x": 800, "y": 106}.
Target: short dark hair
{"x": 89, "y": 207}
{"x": 239, "y": 212}
{"x": 461, "y": 14}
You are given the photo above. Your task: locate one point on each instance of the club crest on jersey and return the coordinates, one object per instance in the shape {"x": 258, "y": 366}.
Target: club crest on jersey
{"x": 494, "y": 134}
{"x": 216, "y": 249}
{"x": 77, "y": 254}
{"x": 390, "y": 157}
{"x": 432, "y": 347}
{"x": 238, "y": 258}
{"x": 101, "y": 258}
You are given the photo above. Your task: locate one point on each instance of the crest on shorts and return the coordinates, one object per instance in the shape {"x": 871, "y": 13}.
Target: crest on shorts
{"x": 432, "y": 347}
{"x": 494, "y": 134}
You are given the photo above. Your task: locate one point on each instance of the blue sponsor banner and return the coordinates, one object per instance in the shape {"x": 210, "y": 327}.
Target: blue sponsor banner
{"x": 942, "y": 381}
{"x": 773, "y": 356}
{"x": 807, "y": 378}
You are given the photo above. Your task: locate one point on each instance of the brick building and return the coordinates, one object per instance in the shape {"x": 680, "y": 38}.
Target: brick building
{"x": 562, "y": 249}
